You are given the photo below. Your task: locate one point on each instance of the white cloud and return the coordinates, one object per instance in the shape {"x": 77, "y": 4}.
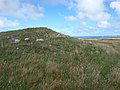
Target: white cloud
{"x": 70, "y": 18}
{"x": 92, "y": 9}
{"x": 21, "y": 10}
{"x": 116, "y": 5}
{"x": 98, "y": 17}
{"x": 103, "y": 24}
{"x": 4, "y": 23}
{"x": 84, "y": 23}
{"x": 30, "y": 11}
{"x": 9, "y": 5}
{"x": 90, "y": 6}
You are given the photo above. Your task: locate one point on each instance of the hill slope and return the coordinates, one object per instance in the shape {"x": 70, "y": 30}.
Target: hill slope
{"x": 41, "y": 59}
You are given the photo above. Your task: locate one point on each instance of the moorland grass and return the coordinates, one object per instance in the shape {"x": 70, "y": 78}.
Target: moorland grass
{"x": 57, "y": 63}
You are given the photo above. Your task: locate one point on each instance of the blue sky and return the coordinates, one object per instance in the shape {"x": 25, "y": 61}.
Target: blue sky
{"x": 71, "y": 17}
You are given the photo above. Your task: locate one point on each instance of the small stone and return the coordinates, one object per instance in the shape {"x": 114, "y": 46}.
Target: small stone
{"x": 39, "y": 39}
{"x": 16, "y": 40}
{"x": 26, "y": 39}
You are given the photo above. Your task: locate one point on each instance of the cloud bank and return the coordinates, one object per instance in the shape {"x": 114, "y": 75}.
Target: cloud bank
{"x": 94, "y": 10}
{"x": 20, "y": 10}
{"x": 116, "y": 6}
{"x": 4, "y": 23}
{"x": 17, "y": 9}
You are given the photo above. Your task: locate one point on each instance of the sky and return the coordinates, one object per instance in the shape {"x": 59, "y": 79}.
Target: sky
{"x": 70, "y": 17}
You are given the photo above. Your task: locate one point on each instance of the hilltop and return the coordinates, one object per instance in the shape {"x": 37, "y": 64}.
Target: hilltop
{"x": 42, "y": 59}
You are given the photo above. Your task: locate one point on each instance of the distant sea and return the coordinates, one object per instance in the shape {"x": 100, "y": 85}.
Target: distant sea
{"x": 96, "y": 36}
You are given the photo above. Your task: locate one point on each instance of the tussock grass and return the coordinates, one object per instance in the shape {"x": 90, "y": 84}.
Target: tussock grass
{"x": 57, "y": 63}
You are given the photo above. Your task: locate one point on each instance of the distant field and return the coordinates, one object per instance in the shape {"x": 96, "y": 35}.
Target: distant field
{"x": 41, "y": 59}
{"x": 97, "y": 37}
{"x": 111, "y": 40}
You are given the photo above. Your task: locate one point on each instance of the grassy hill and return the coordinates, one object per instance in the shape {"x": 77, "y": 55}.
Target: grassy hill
{"x": 41, "y": 59}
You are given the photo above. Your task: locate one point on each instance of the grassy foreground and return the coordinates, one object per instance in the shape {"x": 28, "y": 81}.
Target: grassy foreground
{"x": 57, "y": 62}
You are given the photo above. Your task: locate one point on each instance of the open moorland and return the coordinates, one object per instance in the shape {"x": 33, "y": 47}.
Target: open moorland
{"x": 41, "y": 59}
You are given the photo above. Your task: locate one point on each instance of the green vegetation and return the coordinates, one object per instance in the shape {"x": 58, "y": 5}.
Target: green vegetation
{"x": 58, "y": 62}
